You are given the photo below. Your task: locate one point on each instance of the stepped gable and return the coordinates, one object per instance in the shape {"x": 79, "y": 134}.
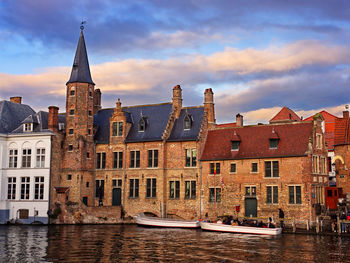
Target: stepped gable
{"x": 12, "y": 114}
{"x": 178, "y": 132}
{"x": 255, "y": 141}
{"x": 285, "y": 115}
{"x": 155, "y": 116}
{"x": 81, "y": 70}
{"x": 329, "y": 120}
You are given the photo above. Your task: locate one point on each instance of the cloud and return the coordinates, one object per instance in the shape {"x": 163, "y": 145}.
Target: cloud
{"x": 300, "y": 75}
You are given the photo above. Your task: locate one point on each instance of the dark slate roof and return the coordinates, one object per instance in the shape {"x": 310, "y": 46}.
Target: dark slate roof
{"x": 12, "y": 114}
{"x": 101, "y": 121}
{"x": 255, "y": 143}
{"x": 157, "y": 117}
{"x": 81, "y": 69}
{"x": 178, "y": 133}
{"x": 39, "y": 120}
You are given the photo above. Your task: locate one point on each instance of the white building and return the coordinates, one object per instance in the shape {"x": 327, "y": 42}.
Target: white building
{"x": 25, "y": 163}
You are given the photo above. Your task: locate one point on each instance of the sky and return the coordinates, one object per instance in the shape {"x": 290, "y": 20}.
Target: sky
{"x": 257, "y": 56}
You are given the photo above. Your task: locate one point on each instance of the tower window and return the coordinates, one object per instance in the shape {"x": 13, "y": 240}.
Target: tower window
{"x": 72, "y": 91}
{"x": 90, "y": 113}
{"x": 90, "y": 92}
{"x": 70, "y": 147}
{"x": 71, "y": 112}
{"x": 71, "y": 131}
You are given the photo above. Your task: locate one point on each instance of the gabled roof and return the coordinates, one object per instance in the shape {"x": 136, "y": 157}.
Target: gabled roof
{"x": 81, "y": 69}
{"x": 329, "y": 120}
{"x": 12, "y": 114}
{"x": 255, "y": 143}
{"x": 178, "y": 132}
{"x": 285, "y": 115}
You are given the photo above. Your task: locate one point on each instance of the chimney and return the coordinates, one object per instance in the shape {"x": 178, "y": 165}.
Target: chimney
{"x": 53, "y": 119}
{"x": 97, "y": 100}
{"x": 345, "y": 114}
{"x": 177, "y": 100}
{"x": 16, "y": 99}
{"x": 239, "y": 120}
{"x": 209, "y": 106}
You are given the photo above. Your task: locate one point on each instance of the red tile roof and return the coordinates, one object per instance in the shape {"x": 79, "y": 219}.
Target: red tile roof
{"x": 341, "y": 133}
{"x": 329, "y": 120}
{"x": 255, "y": 143}
{"x": 285, "y": 114}
{"x": 226, "y": 125}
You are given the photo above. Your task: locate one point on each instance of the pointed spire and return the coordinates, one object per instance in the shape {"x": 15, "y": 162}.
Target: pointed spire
{"x": 81, "y": 69}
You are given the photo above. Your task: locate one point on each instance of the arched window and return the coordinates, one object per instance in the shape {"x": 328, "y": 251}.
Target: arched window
{"x": 187, "y": 122}
{"x": 142, "y": 125}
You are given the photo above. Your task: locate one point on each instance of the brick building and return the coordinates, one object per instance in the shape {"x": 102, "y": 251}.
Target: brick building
{"x": 142, "y": 158}
{"x": 342, "y": 152}
{"x": 254, "y": 170}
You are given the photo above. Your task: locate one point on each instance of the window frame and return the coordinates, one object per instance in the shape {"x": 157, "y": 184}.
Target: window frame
{"x": 187, "y": 122}
{"x": 211, "y": 168}
{"x": 153, "y": 157}
{"x": 101, "y": 160}
{"x": 118, "y": 160}
{"x": 40, "y": 157}
{"x": 151, "y": 188}
{"x": 26, "y": 158}
{"x": 190, "y": 189}
{"x": 39, "y": 187}
{"x": 99, "y": 183}
{"x": 134, "y": 187}
{"x": 231, "y": 166}
{"x": 191, "y": 157}
{"x": 117, "y": 128}
{"x": 135, "y": 159}
{"x": 295, "y": 195}
{"x": 273, "y": 194}
{"x": 214, "y": 194}
{"x": 273, "y": 170}
{"x": 11, "y": 188}
{"x": 174, "y": 189}
{"x": 252, "y": 168}
{"x": 235, "y": 145}
{"x": 25, "y": 188}
{"x": 13, "y": 158}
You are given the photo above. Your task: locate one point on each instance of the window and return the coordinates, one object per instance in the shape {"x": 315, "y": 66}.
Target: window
{"x": 90, "y": 113}
{"x": 26, "y": 158}
{"x": 295, "y": 194}
{"x": 90, "y": 92}
{"x": 134, "y": 159}
{"x": 69, "y": 177}
{"x": 250, "y": 191}
{"x": 71, "y": 112}
{"x": 174, "y": 189}
{"x": 315, "y": 164}
{"x": 25, "y": 183}
{"x": 214, "y": 194}
{"x": 214, "y": 168}
{"x": 187, "y": 122}
{"x": 134, "y": 188}
{"x": 100, "y": 189}
{"x": 87, "y": 184}
{"x": 117, "y": 183}
{"x": 89, "y": 131}
{"x": 233, "y": 168}
{"x": 271, "y": 194}
{"x": 40, "y": 157}
{"x": 117, "y": 129}
{"x": 118, "y": 160}
{"x": 101, "y": 161}
{"x": 27, "y": 127}
{"x": 319, "y": 141}
{"x": 254, "y": 167}
{"x": 39, "y": 188}
{"x": 11, "y": 188}
{"x": 190, "y": 189}
{"x": 13, "y": 156}
{"x": 71, "y": 131}
{"x": 142, "y": 125}
{"x": 235, "y": 145}
{"x": 72, "y": 91}
{"x": 152, "y": 158}
{"x": 271, "y": 169}
{"x": 191, "y": 157}
{"x": 151, "y": 188}
{"x": 70, "y": 147}
{"x": 273, "y": 143}
{"x": 87, "y": 155}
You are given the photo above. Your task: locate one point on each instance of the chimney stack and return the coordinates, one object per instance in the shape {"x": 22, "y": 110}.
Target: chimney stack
{"x": 239, "y": 120}
{"x": 177, "y": 100}
{"x": 53, "y": 119}
{"x": 97, "y": 100}
{"x": 16, "y": 99}
{"x": 209, "y": 106}
{"x": 345, "y": 114}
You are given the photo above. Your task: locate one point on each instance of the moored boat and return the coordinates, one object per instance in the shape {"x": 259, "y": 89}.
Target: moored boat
{"x": 143, "y": 220}
{"x": 219, "y": 227}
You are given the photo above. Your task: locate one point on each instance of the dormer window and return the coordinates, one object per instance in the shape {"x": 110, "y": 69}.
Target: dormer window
{"x": 28, "y": 127}
{"x": 142, "y": 124}
{"x": 187, "y": 122}
{"x": 273, "y": 143}
{"x": 235, "y": 145}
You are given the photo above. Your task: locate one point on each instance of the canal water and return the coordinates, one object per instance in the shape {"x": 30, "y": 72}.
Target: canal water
{"x": 129, "y": 243}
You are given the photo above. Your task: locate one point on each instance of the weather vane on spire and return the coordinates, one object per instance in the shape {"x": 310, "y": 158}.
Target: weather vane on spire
{"x": 82, "y": 25}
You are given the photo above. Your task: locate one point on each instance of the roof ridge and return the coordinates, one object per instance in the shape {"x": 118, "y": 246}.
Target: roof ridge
{"x": 146, "y": 105}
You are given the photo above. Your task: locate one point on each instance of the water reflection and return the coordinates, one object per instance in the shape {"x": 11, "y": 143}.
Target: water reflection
{"x": 118, "y": 243}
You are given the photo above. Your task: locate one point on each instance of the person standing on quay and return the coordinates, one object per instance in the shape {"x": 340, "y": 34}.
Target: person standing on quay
{"x": 281, "y": 216}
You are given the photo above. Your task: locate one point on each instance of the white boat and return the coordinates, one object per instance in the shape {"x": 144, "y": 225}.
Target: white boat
{"x": 219, "y": 227}
{"x": 143, "y": 220}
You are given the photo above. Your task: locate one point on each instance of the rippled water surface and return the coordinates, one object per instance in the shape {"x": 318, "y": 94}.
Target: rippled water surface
{"x": 129, "y": 243}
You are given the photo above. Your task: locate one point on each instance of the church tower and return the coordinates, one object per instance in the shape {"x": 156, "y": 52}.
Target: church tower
{"x": 78, "y": 160}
